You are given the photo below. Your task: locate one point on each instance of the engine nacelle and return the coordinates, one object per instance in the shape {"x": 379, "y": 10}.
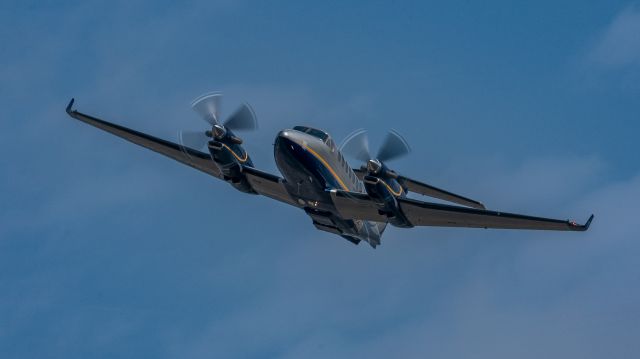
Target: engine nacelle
{"x": 384, "y": 195}
{"x": 230, "y": 157}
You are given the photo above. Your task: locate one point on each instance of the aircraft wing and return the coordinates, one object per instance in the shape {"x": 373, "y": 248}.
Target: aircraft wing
{"x": 190, "y": 157}
{"x": 431, "y": 191}
{"x": 360, "y": 206}
{"x": 262, "y": 182}
{"x": 268, "y": 185}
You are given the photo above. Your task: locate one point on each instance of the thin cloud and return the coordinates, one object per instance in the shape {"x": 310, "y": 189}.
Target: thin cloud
{"x": 619, "y": 45}
{"x": 110, "y": 249}
{"x": 507, "y": 294}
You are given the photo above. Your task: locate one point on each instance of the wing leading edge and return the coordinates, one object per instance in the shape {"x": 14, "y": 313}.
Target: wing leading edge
{"x": 360, "y": 206}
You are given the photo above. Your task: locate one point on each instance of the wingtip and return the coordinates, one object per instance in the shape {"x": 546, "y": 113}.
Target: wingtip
{"x": 70, "y": 106}
{"x": 583, "y": 227}
{"x": 586, "y": 225}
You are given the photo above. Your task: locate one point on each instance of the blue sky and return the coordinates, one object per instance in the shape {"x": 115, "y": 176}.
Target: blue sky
{"x": 108, "y": 250}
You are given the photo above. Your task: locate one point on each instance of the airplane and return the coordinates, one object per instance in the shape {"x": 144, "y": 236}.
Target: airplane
{"x": 354, "y": 203}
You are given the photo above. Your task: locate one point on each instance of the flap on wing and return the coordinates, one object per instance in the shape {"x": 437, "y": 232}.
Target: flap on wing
{"x": 268, "y": 185}
{"x": 441, "y": 215}
{"x": 196, "y": 159}
{"x": 354, "y": 205}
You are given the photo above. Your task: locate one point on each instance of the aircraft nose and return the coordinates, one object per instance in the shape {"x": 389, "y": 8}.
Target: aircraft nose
{"x": 288, "y": 152}
{"x": 290, "y": 134}
{"x": 285, "y": 137}
{"x": 284, "y": 134}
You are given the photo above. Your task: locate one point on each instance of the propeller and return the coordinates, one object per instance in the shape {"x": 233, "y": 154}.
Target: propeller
{"x": 356, "y": 145}
{"x": 208, "y": 107}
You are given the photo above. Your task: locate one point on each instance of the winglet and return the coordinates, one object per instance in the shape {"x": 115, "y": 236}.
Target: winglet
{"x": 586, "y": 225}
{"x": 582, "y": 228}
{"x": 70, "y": 105}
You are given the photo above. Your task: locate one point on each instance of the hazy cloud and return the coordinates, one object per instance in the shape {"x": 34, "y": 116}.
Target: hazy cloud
{"x": 110, "y": 250}
{"x": 619, "y": 45}
{"x": 456, "y": 293}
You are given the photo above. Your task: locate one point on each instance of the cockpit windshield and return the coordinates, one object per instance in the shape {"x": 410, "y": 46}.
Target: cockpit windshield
{"x": 313, "y": 132}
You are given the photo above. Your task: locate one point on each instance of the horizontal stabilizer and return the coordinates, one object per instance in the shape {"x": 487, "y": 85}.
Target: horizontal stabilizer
{"x": 428, "y": 190}
{"x": 435, "y": 192}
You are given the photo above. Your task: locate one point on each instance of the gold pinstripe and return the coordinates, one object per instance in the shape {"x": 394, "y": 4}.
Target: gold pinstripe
{"x": 246, "y": 156}
{"x": 391, "y": 189}
{"x": 333, "y": 173}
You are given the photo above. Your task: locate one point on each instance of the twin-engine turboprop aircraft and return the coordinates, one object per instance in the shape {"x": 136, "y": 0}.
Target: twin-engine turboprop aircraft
{"x": 356, "y": 204}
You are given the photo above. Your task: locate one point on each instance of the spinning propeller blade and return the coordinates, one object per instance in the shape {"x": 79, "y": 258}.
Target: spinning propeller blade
{"x": 356, "y": 145}
{"x": 208, "y": 107}
{"x": 244, "y": 119}
{"x": 394, "y": 146}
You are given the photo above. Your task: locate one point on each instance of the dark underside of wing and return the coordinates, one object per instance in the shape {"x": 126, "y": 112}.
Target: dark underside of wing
{"x": 196, "y": 159}
{"x": 442, "y": 215}
{"x": 268, "y": 185}
{"x": 360, "y": 206}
